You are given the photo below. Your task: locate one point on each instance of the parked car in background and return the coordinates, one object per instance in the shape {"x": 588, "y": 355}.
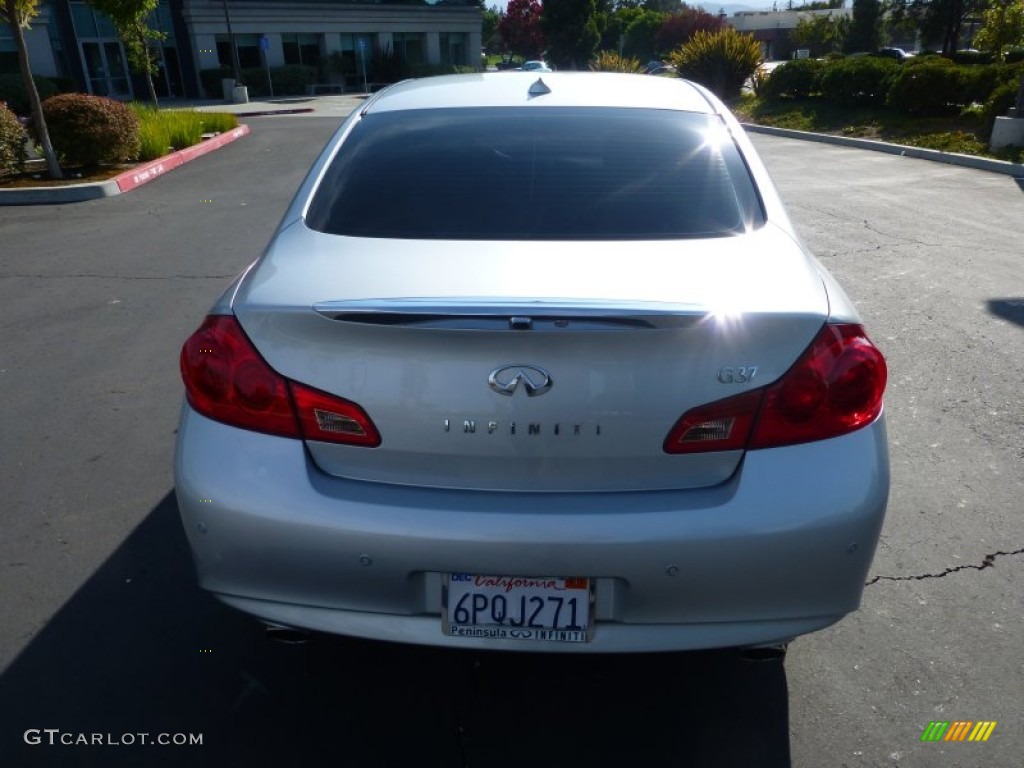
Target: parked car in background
{"x": 535, "y": 66}
{"x": 509, "y": 62}
{"x": 893, "y": 53}
{"x": 632, "y": 413}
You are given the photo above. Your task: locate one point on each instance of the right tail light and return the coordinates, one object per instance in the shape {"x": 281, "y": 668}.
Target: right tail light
{"x": 835, "y": 387}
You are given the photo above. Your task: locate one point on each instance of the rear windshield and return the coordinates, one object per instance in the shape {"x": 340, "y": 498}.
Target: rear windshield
{"x": 536, "y": 174}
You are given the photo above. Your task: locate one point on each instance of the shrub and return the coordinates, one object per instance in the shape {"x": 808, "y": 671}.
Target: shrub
{"x": 13, "y": 142}
{"x": 997, "y": 105}
{"x": 289, "y": 80}
{"x": 860, "y": 80}
{"x": 976, "y": 83}
{"x": 972, "y": 57}
{"x": 1010, "y": 73}
{"x": 91, "y": 130}
{"x": 610, "y": 61}
{"x": 799, "y": 79}
{"x": 12, "y": 90}
{"x": 210, "y": 78}
{"x": 931, "y": 88}
{"x": 722, "y": 61}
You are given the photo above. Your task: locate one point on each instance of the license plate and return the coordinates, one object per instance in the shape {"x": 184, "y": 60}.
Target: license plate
{"x": 517, "y": 607}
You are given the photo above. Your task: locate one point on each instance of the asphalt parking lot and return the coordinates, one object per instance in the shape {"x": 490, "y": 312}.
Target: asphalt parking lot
{"x": 105, "y": 631}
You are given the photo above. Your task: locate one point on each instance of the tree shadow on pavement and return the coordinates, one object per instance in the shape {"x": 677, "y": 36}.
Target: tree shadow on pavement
{"x": 1008, "y": 309}
{"x": 139, "y": 649}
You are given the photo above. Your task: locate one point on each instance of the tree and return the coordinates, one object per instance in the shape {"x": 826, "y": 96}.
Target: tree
{"x": 821, "y": 5}
{"x": 1002, "y": 27}
{"x": 489, "y": 27}
{"x": 820, "y": 34}
{"x": 865, "y": 31}
{"x": 664, "y": 6}
{"x": 678, "y": 28}
{"x": 18, "y": 14}
{"x": 520, "y": 28}
{"x": 638, "y": 38}
{"x": 570, "y": 28}
{"x": 129, "y": 18}
{"x": 938, "y": 21}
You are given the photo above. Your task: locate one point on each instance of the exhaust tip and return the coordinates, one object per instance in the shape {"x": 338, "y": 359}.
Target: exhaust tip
{"x": 764, "y": 653}
{"x": 286, "y": 635}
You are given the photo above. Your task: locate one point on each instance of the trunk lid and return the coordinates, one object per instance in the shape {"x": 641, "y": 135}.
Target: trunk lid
{"x": 492, "y": 366}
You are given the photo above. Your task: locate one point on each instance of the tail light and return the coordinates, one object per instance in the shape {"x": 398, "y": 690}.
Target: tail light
{"x": 835, "y": 387}
{"x": 227, "y": 380}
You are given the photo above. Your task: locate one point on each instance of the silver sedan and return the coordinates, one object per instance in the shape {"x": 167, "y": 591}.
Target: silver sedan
{"x": 536, "y": 363}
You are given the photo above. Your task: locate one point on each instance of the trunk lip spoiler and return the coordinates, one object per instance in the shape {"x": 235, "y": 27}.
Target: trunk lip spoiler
{"x": 518, "y": 314}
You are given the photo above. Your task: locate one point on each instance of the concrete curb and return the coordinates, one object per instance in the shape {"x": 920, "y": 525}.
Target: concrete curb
{"x": 934, "y": 155}
{"x": 125, "y": 182}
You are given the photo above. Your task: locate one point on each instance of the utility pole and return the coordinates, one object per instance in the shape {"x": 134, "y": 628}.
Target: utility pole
{"x": 234, "y": 48}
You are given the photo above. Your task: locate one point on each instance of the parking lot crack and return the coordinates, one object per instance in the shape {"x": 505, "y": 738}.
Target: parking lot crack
{"x": 989, "y": 561}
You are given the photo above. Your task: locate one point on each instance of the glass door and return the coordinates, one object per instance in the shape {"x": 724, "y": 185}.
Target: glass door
{"x": 106, "y": 69}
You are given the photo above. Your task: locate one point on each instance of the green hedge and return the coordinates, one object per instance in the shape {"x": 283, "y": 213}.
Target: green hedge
{"x": 210, "y": 78}
{"x": 290, "y": 80}
{"x": 863, "y": 80}
{"x": 799, "y": 79}
{"x": 998, "y": 104}
{"x": 972, "y": 57}
{"x": 923, "y": 85}
{"x": 942, "y": 87}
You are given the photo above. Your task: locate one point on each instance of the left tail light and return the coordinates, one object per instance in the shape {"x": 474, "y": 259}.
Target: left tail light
{"x": 228, "y": 381}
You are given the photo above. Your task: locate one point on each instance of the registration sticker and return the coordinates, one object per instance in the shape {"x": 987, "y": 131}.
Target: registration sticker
{"x": 517, "y": 607}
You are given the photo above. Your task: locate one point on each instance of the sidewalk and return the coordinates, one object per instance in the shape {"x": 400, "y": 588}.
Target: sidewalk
{"x": 322, "y": 106}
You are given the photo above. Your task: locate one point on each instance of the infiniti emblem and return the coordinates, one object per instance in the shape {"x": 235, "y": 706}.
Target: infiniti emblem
{"x": 505, "y": 380}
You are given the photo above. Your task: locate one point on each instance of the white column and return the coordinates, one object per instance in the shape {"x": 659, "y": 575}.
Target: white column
{"x": 433, "y": 47}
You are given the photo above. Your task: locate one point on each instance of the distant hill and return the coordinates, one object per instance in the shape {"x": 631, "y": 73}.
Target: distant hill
{"x": 731, "y": 8}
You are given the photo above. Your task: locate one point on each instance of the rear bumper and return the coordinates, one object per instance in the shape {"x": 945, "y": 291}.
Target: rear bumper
{"x": 781, "y": 549}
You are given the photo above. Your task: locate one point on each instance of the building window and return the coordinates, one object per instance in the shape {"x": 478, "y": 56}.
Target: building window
{"x": 408, "y": 46}
{"x": 8, "y": 51}
{"x": 248, "y": 51}
{"x": 91, "y": 24}
{"x": 303, "y": 50}
{"x": 356, "y": 56}
{"x": 453, "y": 48}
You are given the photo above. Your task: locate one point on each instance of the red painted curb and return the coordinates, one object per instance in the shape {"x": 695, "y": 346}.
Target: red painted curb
{"x": 146, "y": 172}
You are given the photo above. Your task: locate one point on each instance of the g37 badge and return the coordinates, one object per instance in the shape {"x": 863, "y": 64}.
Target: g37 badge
{"x": 737, "y": 374}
